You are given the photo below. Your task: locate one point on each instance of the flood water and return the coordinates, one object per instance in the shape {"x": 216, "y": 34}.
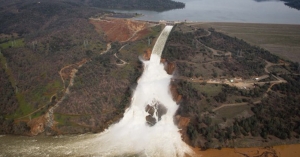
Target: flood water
{"x": 245, "y": 11}
{"x": 58, "y": 146}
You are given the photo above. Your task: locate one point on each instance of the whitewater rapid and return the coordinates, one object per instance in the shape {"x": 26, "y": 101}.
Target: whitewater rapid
{"x": 133, "y": 135}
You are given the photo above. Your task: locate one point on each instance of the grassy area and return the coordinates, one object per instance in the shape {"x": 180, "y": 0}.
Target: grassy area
{"x": 234, "y": 98}
{"x": 140, "y": 46}
{"x": 277, "y": 69}
{"x": 209, "y": 89}
{"x": 61, "y": 119}
{"x": 37, "y": 114}
{"x": 24, "y": 107}
{"x": 7, "y": 70}
{"x": 122, "y": 72}
{"x": 52, "y": 88}
{"x": 155, "y": 31}
{"x": 184, "y": 28}
{"x": 6, "y": 37}
{"x": 12, "y": 44}
{"x": 40, "y": 94}
{"x": 282, "y": 40}
{"x": 130, "y": 52}
{"x": 65, "y": 120}
{"x": 232, "y": 111}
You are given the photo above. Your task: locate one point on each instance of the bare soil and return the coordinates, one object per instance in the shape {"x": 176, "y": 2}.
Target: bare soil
{"x": 276, "y": 151}
{"x": 120, "y": 30}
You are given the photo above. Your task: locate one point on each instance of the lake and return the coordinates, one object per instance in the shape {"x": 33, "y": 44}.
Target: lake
{"x": 243, "y": 11}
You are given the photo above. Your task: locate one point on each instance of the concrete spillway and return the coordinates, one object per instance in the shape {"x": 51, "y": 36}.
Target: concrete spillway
{"x": 161, "y": 41}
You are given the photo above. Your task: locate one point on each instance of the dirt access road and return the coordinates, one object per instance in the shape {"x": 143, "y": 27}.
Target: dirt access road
{"x": 280, "y": 39}
{"x": 243, "y": 84}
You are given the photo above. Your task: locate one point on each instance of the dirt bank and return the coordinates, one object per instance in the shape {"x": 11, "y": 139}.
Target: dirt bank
{"x": 276, "y": 151}
{"x": 120, "y": 30}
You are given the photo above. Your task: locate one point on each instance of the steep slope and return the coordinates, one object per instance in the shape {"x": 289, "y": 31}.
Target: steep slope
{"x": 120, "y": 30}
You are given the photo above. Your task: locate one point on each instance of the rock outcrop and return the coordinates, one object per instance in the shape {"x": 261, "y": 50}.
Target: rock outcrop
{"x": 170, "y": 67}
{"x": 147, "y": 54}
{"x": 160, "y": 111}
{"x": 37, "y": 125}
{"x": 176, "y": 96}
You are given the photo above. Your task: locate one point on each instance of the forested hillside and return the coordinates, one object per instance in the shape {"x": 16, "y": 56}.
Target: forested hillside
{"x": 37, "y": 41}
{"x": 292, "y": 3}
{"x": 23, "y": 17}
{"x": 26, "y": 16}
{"x": 233, "y": 93}
{"x": 52, "y": 55}
{"x": 157, "y": 5}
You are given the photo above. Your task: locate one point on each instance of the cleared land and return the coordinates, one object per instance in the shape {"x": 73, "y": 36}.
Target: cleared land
{"x": 282, "y": 40}
{"x": 120, "y": 30}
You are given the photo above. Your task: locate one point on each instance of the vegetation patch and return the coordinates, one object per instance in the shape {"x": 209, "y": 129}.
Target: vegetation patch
{"x": 216, "y": 76}
{"x": 12, "y": 44}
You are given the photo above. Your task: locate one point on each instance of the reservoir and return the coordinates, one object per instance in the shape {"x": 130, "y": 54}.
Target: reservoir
{"x": 242, "y": 11}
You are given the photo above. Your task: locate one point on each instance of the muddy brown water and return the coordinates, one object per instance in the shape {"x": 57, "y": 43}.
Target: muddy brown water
{"x": 60, "y": 146}
{"x": 275, "y": 151}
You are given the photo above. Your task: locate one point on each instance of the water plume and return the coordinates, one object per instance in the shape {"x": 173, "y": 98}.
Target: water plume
{"x": 147, "y": 128}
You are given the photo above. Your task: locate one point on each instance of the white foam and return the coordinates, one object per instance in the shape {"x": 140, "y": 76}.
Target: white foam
{"x": 132, "y": 135}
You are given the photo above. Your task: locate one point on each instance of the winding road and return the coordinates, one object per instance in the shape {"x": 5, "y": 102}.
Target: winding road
{"x": 245, "y": 83}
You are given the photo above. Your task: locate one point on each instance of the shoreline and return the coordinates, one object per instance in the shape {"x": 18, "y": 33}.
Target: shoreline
{"x": 287, "y": 150}
{"x": 136, "y": 15}
{"x": 211, "y": 22}
{"x": 271, "y": 151}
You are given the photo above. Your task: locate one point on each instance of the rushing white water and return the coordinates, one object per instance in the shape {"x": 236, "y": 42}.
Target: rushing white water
{"x": 133, "y": 135}
{"x": 161, "y": 41}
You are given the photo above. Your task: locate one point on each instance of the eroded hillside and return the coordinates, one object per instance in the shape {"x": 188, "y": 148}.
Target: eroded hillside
{"x": 120, "y": 30}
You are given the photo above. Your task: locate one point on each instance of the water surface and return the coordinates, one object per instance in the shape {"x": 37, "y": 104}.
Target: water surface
{"x": 245, "y": 11}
